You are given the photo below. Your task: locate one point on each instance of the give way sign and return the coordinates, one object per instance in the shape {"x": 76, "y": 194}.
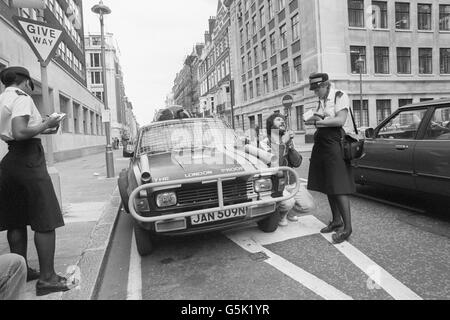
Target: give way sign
{"x": 42, "y": 38}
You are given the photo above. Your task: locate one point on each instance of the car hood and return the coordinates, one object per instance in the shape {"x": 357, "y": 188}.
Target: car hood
{"x": 201, "y": 163}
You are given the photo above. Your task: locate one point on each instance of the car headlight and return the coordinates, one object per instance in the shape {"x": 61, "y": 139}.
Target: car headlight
{"x": 263, "y": 185}
{"x": 166, "y": 199}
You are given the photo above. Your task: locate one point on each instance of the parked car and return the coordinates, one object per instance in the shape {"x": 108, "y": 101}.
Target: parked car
{"x": 185, "y": 178}
{"x": 410, "y": 150}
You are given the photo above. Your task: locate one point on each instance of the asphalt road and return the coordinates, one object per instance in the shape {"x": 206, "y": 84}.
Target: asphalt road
{"x": 395, "y": 252}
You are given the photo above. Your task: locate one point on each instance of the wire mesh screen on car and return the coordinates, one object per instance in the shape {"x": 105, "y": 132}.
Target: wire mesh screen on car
{"x": 173, "y": 135}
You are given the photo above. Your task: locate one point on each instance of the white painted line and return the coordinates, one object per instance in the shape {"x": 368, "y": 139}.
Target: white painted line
{"x": 306, "y": 279}
{"x": 376, "y": 273}
{"x": 134, "y": 290}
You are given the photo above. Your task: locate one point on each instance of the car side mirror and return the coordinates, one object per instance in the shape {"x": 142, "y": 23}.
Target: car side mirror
{"x": 370, "y": 133}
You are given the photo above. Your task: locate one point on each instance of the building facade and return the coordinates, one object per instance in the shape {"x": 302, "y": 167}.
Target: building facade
{"x": 117, "y": 100}
{"x": 82, "y": 132}
{"x": 277, "y": 44}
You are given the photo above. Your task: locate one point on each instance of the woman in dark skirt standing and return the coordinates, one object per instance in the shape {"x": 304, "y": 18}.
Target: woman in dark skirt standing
{"x": 329, "y": 173}
{"x": 27, "y": 196}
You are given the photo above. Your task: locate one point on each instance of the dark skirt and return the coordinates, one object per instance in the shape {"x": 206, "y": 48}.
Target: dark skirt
{"x": 329, "y": 173}
{"x": 27, "y": 196}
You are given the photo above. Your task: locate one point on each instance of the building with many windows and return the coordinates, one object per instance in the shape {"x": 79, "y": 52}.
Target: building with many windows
{"x": 277, "y": 44}
{"x": 117, "y": 100}
{"x": 82, "y": 132}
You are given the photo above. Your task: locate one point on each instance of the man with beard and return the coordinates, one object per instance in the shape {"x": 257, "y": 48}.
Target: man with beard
{"x": 280, "y": 142}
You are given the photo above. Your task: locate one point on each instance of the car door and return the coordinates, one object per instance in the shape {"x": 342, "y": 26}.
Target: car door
{"x": 389, "y": 155}
{"x": 432, "y": 155}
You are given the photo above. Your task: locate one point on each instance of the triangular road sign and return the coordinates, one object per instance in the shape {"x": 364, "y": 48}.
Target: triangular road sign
{"x": 42, "y": 38}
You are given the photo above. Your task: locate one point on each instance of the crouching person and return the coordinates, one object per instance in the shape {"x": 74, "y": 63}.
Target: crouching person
{"x": 280, "y": 142}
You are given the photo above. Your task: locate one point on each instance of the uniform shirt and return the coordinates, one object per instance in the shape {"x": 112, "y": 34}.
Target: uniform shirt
{"x": 330, "y": 110}
{"x": 16, "y": 103}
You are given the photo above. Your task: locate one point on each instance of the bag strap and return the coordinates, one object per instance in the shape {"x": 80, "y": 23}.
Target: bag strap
{"x": 338, "y": 95}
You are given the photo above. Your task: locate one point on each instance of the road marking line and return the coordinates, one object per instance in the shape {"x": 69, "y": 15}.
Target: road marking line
{"x": 306, "y": 279}
{"x": 134, "y": 290}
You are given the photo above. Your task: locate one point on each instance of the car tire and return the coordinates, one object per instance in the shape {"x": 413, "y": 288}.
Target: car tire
{"x": 144, "y": 240}
{"x": 123, "y": 186}
{"x": 270, "y": 224}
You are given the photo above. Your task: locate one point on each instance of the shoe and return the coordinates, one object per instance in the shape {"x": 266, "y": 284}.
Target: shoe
{"x": 44, "y": 288}
{"x": 283, "y": 222}
{"x": 32, "y": 275}
{"x": 331, "y": 227}
{"x": 292, "y": 218}
{"x": 340, "y": 237}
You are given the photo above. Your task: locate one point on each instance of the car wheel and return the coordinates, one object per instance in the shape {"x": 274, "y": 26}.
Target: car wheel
{"x": 123, "y": 186}
{"x": 270, "y": 224}
{"x": 144, "y": 241}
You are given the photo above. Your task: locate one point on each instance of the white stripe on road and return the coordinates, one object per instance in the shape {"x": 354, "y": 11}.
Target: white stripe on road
{"x": 307, "y": 279}
{"x": 134, "y": 290}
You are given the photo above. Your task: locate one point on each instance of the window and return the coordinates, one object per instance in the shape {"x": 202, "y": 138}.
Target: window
{"x": 249, "y": 59}
{"x": 355, "y": 53}
{"x": 439, "y": 127}
{"x": 265, "y": 83}
{"x": 300, "y": 122}
{"x": 283, "y": 37}
{"x": 402, "y": 15}
{"x": 247, "y": 28}
{"x": 271, "y": 13}
{"x": 256, "y": 55}
{"x": 262, "y": 16}
{"x": 424, "y": 16}
{"x": 356, "y": 13}
{"x": 383, "y": 110}
{"x": 445, "y": 60}
{"x": 361, "y": 114}
{"x": 96, "y": 77}
{"x": 381, "y": 60}
{"x": 258, "y": 86}
{"x": 95, "y": 60}
{"x": 295, "y": 27}
{"x": 281, "y": 4}
{"x": 241, "y": 37}
{"x": 96, "y": 41}
{"x": 298, "y": 69}
{"x": 404, "y": 60}
{"x": 273, "y": 46}
{"x": 254, "y": 25}
{"x": 99, "y": 95}
{"x": 260, "y": 121}
{"x": 243, "y": 64}
{"x": 404, "y": 126}
{"x": 250, "y": 89}
{"x": 264, "y": 50}
{"x": 380, "y": 14}
{"x": 425, "y": 60}
{"x": 444, "y": 17}
{"x": 286, "y": 74}
{"x": 404, "y": 102}
{"x": 275, "y": 79}
{"x": 426, "y": 99}
{"x": 244, "y": 90}
{"x": 252, "y": 122}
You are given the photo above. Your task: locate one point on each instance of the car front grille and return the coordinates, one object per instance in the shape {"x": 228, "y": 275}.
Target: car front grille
{"x": 203, "y": 194}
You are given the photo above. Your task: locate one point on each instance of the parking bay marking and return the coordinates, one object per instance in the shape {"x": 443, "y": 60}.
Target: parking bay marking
{"x": 248, "y": 237}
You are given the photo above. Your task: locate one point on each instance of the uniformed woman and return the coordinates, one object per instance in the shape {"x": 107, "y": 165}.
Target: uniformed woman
{"x": 27, "y": 196}
{"x": 329, "y": 173}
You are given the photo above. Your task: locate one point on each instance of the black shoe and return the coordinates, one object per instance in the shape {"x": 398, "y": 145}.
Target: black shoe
{"x": 32, "y": 275}
{"x": 340, "y": 237}
{"x": 44, "y": 288}
{"x": 331, "y": 227}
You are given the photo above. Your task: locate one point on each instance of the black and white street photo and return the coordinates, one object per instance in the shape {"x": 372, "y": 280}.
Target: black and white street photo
{"x": 224, "y": 154}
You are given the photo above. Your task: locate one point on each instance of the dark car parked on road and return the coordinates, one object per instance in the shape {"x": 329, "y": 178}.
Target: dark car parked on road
{"x": 410, "y": 150}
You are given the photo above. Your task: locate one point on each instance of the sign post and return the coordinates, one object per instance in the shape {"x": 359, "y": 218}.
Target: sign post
{"x": 44, "y": 40}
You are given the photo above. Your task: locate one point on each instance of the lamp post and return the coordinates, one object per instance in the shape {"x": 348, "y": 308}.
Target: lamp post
{"x": 360, "y": 64}
{"x": 102, "y": 10}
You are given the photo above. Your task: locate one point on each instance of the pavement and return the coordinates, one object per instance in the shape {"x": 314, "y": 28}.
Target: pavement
{"x": 90, "y": 203}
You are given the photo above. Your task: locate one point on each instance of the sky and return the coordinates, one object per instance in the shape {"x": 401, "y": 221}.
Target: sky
{"x": 154, "y": 38}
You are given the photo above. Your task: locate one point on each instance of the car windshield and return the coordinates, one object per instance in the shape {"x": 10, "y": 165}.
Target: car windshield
{"x": 186, "y": 134}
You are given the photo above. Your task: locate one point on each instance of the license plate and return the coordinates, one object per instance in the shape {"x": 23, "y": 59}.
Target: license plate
{"x": 218, "y": 216}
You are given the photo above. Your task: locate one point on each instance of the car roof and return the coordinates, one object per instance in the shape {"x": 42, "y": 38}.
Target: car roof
{"x": 430, "y": 104}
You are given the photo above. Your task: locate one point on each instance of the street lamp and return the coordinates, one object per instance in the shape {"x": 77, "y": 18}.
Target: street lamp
{"x": 102, "y": 10}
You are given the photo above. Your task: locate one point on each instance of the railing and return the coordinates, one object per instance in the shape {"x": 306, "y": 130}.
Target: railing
{"x": 219, "y": 179}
